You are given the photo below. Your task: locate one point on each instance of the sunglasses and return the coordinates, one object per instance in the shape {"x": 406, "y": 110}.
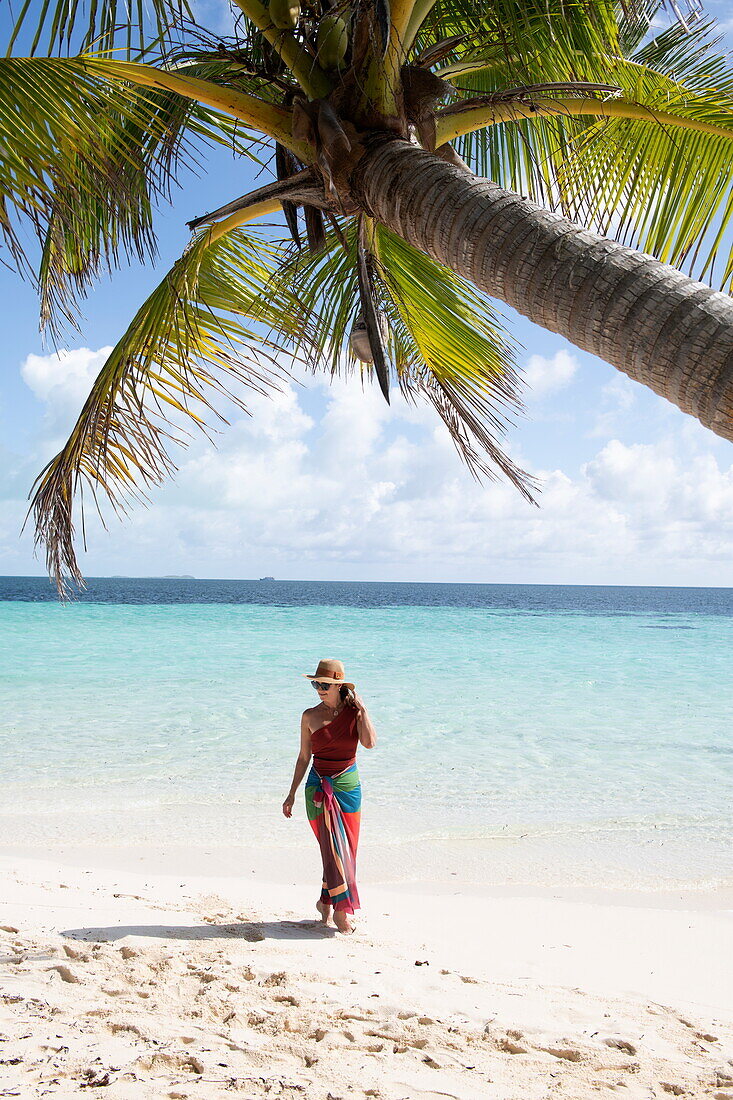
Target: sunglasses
{"x": 321, "y": 687}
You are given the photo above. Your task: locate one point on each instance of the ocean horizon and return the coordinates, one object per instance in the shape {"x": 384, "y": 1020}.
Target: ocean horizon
{"x": 546, "y": 734}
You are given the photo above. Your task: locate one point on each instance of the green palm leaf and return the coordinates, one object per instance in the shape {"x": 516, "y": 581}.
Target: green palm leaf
{"x": 187, "y": 344}
{"x": 84, "y": 161}
{"x": 515, "y": 44}
{"x": 324, "y": 287}
{"x": 512, "y": 33}
{"x": 451, "y": 349}
{"x": 658, "y": 188}
{"x": 67, "y": 25}
{"x": 446, "y": 344}
{"x": 663, "y": 190}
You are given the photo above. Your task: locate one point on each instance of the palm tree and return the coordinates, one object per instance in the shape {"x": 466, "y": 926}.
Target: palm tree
{"x": 377, "y": 114}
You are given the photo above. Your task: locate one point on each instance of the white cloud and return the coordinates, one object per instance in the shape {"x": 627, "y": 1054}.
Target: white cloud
{"x": 620, "y": 391}
{"x": 640, "y": 472}
{"x": 617, "y": 400}
{"x": 366, "y": 489}
{"x": 545, "y": 375}
{"x": 312, "y": 503}
{"x": 63, "y": 379}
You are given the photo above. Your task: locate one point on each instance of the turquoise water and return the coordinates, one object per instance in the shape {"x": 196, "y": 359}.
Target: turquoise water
{"x": 575, "y": 746}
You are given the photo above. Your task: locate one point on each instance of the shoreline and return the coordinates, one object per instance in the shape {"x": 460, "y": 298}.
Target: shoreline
{"x": 429, "y": 870}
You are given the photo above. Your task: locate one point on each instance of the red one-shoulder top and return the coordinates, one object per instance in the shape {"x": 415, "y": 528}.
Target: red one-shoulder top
{"x": 334, "y": 745}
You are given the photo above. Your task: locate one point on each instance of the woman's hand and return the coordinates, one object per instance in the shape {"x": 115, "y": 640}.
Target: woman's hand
{"x": 288, "y": 805}
{"x": 358, "y": 703}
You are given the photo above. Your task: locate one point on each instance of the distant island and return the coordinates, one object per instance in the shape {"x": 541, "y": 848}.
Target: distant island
{"x": 267, "y": 578}
{"x": 163, "y": 577}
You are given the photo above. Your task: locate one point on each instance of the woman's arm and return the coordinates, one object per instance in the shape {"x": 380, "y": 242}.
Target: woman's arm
{"x": 364, "y": 727}
{"x": 301, "y": 765}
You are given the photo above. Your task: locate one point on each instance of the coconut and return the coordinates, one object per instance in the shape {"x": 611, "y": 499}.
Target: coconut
{"x": 284, "y": 14}
{"x": 359, "y": 338}
{"x": 332, "y": 41}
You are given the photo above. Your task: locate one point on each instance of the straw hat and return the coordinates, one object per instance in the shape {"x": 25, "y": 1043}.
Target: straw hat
{"x": 330, "y": 671}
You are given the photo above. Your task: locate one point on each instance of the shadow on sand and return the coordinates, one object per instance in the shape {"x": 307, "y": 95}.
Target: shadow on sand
{"x": 253, "y": 931}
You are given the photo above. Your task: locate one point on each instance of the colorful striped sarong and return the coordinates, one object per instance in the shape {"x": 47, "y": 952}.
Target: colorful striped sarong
{"x": 333, "y": 804}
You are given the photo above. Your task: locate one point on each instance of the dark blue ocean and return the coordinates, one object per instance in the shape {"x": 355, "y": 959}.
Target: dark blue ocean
{"x": 587, "y": 599}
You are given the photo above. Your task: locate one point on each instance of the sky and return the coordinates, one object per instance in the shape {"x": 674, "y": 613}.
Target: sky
{"x": 326, "y": 481}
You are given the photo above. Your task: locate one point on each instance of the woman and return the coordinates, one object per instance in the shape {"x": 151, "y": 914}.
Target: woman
{"x": 330, "y": 733}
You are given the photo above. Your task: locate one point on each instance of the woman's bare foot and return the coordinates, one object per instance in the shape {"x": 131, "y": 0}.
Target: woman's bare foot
{"x": 324, "y": 910}
{"x": 343, "y": 921}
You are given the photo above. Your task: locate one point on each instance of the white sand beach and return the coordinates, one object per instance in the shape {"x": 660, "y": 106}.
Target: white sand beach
{"x": 161, "y": 982}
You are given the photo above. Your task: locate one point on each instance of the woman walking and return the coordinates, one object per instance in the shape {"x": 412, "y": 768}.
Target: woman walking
{"x": 330, "y": 733}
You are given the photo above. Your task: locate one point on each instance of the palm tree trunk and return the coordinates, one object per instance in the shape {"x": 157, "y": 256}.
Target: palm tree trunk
{"x": 645, "y": 318}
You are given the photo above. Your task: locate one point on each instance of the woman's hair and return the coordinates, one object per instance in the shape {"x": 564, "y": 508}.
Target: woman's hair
{"x": 347, "y": 696}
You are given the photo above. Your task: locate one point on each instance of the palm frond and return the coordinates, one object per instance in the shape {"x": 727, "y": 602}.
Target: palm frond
{"x": 514, "y": 31}
{"x": 323, "y": 283}
{"x": 515, "y": 44}
{"x": 67, "y": 26}
{"x": 446, "y": 343}
{"x": 84, "y": 161}
{"x": 661, "y": 189}
{"x": 187, "y": 345}
{"x": 451, "y": 349}
{"x": 634, "y": 21}
{"x": 246, "y": 63}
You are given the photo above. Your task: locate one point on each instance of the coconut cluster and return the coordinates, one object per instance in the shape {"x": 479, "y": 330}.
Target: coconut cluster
{"x": 332, "y": 34}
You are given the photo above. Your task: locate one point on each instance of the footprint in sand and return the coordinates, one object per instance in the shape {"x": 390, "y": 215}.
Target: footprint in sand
{"x": 509, "y": 1042}
{"x": 621, "y": 1044}
{"x": 569, "y": 1054}
{"x": 278, "y": 978}
{"x": 75, "y": 953}
{"x": 253, "y": 933}
{"x": 509, "y": 1046}
{"x": 65, "y": 973}
{"x": 162, "y": 1062}
{"x": 124, "y": 1026}
{"x": 704, "y": 1035}
{"x": 205, "y": 976}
